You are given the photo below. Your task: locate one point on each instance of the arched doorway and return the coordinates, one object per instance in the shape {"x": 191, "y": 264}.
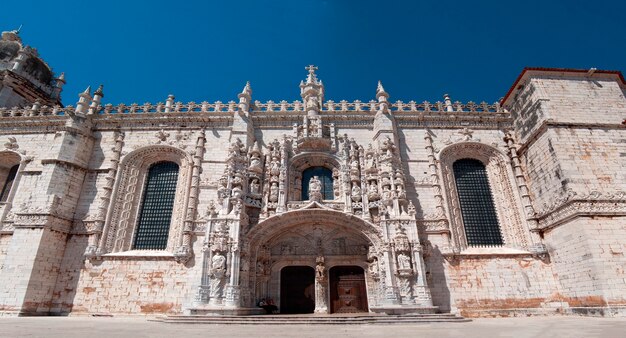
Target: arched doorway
{"x": 348, "y": 293}
{"x": 297, "y": 289}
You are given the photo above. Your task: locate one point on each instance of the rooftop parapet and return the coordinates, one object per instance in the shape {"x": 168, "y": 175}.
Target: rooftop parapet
{"x": 329, "y": 107}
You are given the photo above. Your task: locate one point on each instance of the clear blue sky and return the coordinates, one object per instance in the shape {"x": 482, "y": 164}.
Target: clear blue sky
{"x": 205, "y": 50}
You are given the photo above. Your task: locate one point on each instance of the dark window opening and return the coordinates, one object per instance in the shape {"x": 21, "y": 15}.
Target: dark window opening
{"x": 156, "y": 208}
{"x": 325, "y": 176}
{"x": 6, "y": 189}
{"x": 476, "y": 201}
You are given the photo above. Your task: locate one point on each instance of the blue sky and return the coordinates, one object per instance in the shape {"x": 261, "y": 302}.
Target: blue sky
{"x": 205, "y": 50}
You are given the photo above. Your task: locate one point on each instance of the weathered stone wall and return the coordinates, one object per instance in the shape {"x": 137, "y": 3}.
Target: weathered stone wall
{"x": 477, "y": 285}
{"x": 31, "y": 268}
{"x": 588, "y": 258}
{"x": 132, "y": 283}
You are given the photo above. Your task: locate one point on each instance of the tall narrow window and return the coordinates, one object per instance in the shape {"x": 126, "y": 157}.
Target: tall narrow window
{"x": 156, "y": 208}
{"x": 477, "y": 207}
{"x": 6, "y": 188}
{"x": 325, "y": 176}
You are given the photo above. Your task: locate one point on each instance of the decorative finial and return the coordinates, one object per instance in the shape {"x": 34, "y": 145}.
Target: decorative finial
{"x": 448, "y": 102}
{"x": 61, "y": 77}
{"x": 247, "y": 89}
{"x": 88, "y": 90}
{"x": 99, "y": 91}
{"x": 380, "y": 92}
{"x": 18, "y": 30}
{"x": 311, "y": 69}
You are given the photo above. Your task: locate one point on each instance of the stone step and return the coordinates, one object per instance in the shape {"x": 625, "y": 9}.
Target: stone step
{"x": 310, "y": 319}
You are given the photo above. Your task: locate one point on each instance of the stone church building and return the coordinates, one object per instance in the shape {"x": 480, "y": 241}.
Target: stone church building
{"x": 325, "y": 207}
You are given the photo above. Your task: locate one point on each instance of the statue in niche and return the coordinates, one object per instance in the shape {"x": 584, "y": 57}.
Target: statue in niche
{"x": 260, "y": 268}
{"x": 274, "y": 192}
{"x": 314, "y": 127}
{"x": 236, "y": 192}
{"x": 254, "y": 186}
{"x": 373, "y": 268}
{"x": 354, "y": 164}
{"x": 372, "y": 188}
{"x": 255, "y": 163}
{"x": 275, "y": 167}
{"x": 217, "y": 274}
{"x": 400, "y": 191}
{"x": 218, "y": 265}
{"x": 369, "y": 161}
{"x": 320, "y": 270}
{"x": 315, "y": 189}
{"x": 356, "y": 193}
{"x": 386, "y": 192}
{"x": 404, "y": 262}
{"x": 312, "y": 103}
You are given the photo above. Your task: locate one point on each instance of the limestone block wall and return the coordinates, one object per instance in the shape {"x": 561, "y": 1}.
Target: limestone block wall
{"x": 589, "y": 260}
{"x": 5, "y": 241}
{"x": 572, "y": 99}
{"x": 476, "y": 286}
{"x": 30, "y": 270}
{"x": 126, "y": 283}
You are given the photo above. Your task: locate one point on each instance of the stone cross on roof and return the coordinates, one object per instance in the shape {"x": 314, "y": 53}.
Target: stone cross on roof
{"x": 311, "y": 69}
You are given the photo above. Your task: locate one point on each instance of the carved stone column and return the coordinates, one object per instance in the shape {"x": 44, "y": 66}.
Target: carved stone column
{"x": 321, "y": 287}
{"x": 420, "y": 288}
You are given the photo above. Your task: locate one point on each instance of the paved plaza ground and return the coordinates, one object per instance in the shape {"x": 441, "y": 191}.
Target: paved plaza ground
{"x": 92, "y": 327}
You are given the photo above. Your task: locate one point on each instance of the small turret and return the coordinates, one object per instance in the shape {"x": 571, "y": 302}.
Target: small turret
{"x": 448, "y": 102}
{"x": 382, "y": 96}
{"x": 84, "y": 99}
{"x": 97, "y": 98}
{"x": 312, "y": 92}
{"x": 245, "y": 98}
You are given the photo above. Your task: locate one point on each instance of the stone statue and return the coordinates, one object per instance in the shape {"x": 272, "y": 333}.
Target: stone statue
{"x": 404, "y": 262}
{"x": 373, "y": 268}
{"x": 369, "y": 161}
{"x": 217, "y": 274}
{"x": 255, "y": 163}
{"x": 320, "y": 272}
{"x": 218, "y": 265}
{"x": 274, "y": 192}
{"x": 315, "y": 189}
{"x": 356, "y": 193}
{"x": 254, "y": 186}
{"x": 236, "y": 192}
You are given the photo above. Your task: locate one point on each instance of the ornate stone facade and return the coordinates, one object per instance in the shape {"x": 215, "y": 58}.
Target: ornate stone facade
{"x": 378, "y": 225}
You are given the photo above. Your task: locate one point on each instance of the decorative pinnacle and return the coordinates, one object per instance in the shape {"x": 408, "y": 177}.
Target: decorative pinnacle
{"x": 99, "y": 91}
{"x": 87, "y": 91}
{"x": 380, "y": 92}
{"x": 312, "y": 77}
{"x": 61, "y": 77}
{"x": 247, "y": 89}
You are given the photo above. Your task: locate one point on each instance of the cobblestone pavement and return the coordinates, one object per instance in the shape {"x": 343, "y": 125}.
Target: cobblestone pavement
{"x": 91, "y": 327}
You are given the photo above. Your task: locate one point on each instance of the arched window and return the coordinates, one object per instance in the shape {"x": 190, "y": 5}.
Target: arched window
{"x": 476, "y": 201}
{"x": 325, "y": 176}
{"x": 156, "y": 208}
{"x": 8, "y": 182}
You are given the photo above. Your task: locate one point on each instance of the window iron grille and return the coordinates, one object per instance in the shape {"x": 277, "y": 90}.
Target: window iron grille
{"x": 477, "y": 207}
{"x": 156, "y": 208}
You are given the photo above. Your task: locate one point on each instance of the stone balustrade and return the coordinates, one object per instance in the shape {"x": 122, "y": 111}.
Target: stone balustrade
{"x": 267, "y": 107}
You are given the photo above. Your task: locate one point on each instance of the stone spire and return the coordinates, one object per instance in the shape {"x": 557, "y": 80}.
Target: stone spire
{"x": 382, "y": 96}
{"x": 312, "y": 92}
{"x": 97, "y": 98}
{"x": 84, "y": 99}
{"x": 245, "y": 98}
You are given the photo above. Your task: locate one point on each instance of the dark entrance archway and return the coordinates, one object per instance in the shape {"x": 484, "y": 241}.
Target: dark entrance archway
{"x": 348, "y": 293}
{"x": 297, "y": 289}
